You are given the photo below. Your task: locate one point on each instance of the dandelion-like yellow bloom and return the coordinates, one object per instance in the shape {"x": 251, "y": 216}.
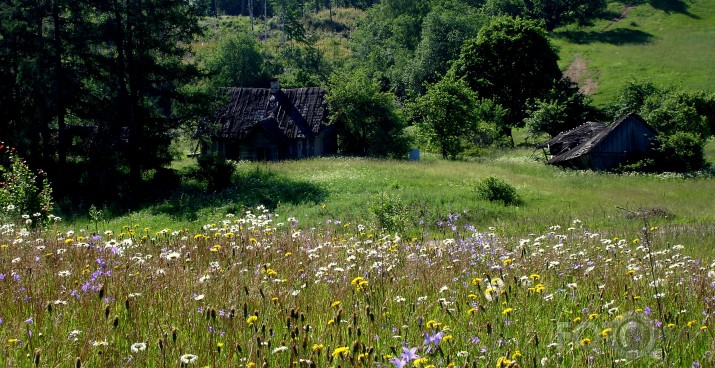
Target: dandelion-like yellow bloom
{"x": 507, "y": 311}
{"x": 636, "y": 241}
{"x": 472, "y": 296}
{"x": 198, "y": 236}
{"x": 69, "y": 241}
{"x": 630, "y": 272}
{"x": 335, "y": 303}
{"x": 507, "y": 262}
{"x": 593, "y": 316}
{"x": 517, "y": 354}
{"x": 534, "y": 276}
{"x": 703, "y": 328}
{"x": 472, "y": 311}
{"x": 341, "y": 351}
{"x": 585, "y": 341}
{"x": 271, "y": 272}
{"x": 671, "y": 325}
{"x": 605, "y": 332}
{"x": 503, "y": 362}
{"x": 251, "y": 319}
{"x": 540, "y": 288}
{"x": 476, "y": 281}
{"x": 691, "y": 323}
{"x": 318, "y": 348}
{"x": 433, "y": 324}
{"x": 577, "y": 320}
{"x": 250, "y": 365}
{"x": 420, "y": 361}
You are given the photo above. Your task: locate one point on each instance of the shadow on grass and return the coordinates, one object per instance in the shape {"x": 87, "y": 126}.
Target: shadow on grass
{"x": 668, "y": 6}
{"x": 619, "y": 36}
{"x": 248, "y": 190}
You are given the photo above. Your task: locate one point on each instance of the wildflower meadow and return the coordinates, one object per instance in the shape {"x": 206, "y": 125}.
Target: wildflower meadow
{"x": 258, "y": 289}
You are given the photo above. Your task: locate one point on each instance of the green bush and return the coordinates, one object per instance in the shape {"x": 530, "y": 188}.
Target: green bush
{"x": 22, "y": 194}
{"x": 495, "y": 189}
{"x": 681, "y": 152}
{"x": 216, "y": 170}
{"x": 390, "y": 212}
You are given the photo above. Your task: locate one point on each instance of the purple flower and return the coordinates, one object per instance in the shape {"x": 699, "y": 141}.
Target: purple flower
{"x": 409, "y": 354}
{"x": 29, "y": 320}
{"x": 2, "y": 276}
{"x": 399, "y": 363}
{"x": 646, "y": 311}
{"x": 434, "y": 339}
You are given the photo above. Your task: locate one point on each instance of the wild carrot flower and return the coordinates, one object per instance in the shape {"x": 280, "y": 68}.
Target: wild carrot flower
{"x": 138, "y": 346}
{"x": 188, "y": 358}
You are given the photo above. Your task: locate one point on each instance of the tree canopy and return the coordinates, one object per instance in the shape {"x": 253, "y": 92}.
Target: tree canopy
{"x": 511, "y": 62}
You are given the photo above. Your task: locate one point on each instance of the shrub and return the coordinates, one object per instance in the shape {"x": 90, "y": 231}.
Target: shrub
{"x": 495, "y": 189}
{"x": 681, "y": 152}
{"x": 22, "y": 193}
{"x": 216, "y": 170}
{"x": 390, "y": 212}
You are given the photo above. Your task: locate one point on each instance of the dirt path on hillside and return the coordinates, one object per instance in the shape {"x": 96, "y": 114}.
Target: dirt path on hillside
{"x": 579, "y": 73}
{"x": 626, "y": 10}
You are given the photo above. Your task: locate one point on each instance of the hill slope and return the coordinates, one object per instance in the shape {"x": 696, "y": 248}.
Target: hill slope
{"x": 665, "y": 41}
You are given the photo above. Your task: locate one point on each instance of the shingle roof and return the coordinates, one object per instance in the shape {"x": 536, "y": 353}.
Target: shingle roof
{"x": 570, "y": 139}
{"x": 295, "y": 113}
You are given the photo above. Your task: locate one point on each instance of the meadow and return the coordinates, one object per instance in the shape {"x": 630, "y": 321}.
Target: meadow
{"x": 667, "y": 43}
{"x": 311, "y": 279}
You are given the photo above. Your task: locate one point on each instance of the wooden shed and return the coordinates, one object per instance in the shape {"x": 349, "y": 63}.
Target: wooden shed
{"x": 597, "y": 146}
{"x": 271, "y": 124}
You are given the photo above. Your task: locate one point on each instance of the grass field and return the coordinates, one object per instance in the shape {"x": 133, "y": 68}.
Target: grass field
{"x": 666, "y": 42}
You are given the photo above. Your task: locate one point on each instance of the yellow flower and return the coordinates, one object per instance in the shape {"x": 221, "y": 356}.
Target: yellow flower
{"x": 534, "y": 276}
{"x": 250, "y": 365}
{"x": 703, "y": 328}
{"x": 507, "y": 311}
{"x": 585, "y": 341}
{"x": 472, "y": 311}
{"x": 448, "y": 338}
{"x": 671, "y": 325}
{"x": 517, "y": 354}
{"x": 335, "y": 303}
{"x": 605, "y": 332}
{"x": 636, "y": 241}
{"x": 691, "y": 323}
{"x": 252, "y": 319}
{"x": 433, "y": 324}
{"x": 271, "y": 272}
{"x": 472, "y": 296}
{"x": 419, "y": 361}
{"x": 69, "y": 241}
{"x": 503, "y": 362}
{"x": 332, "y": 321}
{"x": 476, "y": 281}
{"x": 318, "y": 347}
{"x": 341, "y": 351}
{"x": 507, "y": 262}
{"x": 593, "y": 316}
{"x": 577, "y": 320}
{"x": 540, "y": 288}
{"x": 216, "y": 248}
{"x": 630, "y": 272}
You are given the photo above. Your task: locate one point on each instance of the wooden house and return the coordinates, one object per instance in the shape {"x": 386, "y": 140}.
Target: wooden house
{"x": 599, "y": 147}
{"x": 271, "y": 124}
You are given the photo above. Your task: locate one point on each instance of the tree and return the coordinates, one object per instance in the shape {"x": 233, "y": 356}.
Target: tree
{"x": 368, "y": 121}
{"x": 510, "y": 62}
{"x": 564, "y": 107}
{"x": 238, "y": 62}
{"x": 446, "y": 115}
{"x": 444, "y": 30}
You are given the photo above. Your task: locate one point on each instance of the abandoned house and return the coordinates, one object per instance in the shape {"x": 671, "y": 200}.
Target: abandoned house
{"x": 600, "y": 147}
{"x": 270, "y": 124}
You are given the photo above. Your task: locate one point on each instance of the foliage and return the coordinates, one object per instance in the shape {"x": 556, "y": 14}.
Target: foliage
{"x": 216, "y": 170}
{"x": 446, "y": 115}
{"x": 495, "y": 189}
{"x": 238, "y": 62}
{"x": 680, "y": 152}
{"x": 562, "y": 108}
{"x": 369, "y": 122}
{"x": 390, "y": 212}
{"x": 444, "y": 30}
{"x": 22, "y": 192}
{"x": 496, "y": 66}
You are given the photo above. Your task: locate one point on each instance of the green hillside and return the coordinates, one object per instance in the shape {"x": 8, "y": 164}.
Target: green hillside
{"x": 669, "y": 42}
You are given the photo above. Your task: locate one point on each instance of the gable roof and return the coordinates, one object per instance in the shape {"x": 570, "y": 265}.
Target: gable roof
{"x": 588, "y": 145}
{"x": 287, "y": 113}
